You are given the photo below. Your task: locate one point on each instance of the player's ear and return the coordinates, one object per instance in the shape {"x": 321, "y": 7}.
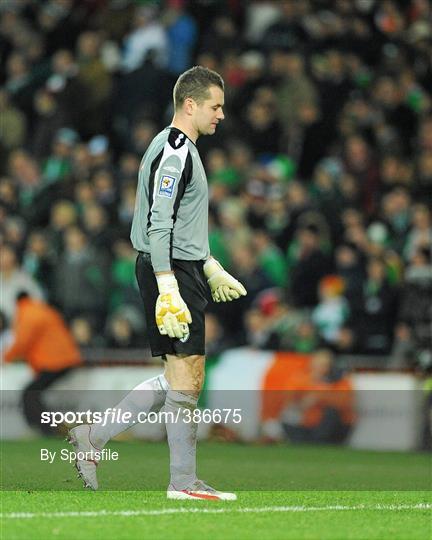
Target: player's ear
{"x": 189, "y": 105}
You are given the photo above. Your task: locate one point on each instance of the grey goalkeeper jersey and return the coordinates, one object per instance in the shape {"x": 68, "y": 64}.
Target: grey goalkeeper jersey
{"x": 171, "y": 207}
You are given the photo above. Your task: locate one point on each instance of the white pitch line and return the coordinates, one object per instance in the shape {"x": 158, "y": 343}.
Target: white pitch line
{"x": 183, "y": 510}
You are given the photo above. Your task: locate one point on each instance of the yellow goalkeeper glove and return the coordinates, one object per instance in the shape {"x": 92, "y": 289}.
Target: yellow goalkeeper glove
{"x": 172, "y": 314}
{"x": 223, "y": 286}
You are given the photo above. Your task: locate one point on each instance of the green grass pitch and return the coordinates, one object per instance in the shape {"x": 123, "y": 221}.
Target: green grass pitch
{"x": 284, "y": 492}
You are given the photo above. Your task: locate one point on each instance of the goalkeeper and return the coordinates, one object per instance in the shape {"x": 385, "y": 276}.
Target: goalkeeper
{"x": 173, "y": 269}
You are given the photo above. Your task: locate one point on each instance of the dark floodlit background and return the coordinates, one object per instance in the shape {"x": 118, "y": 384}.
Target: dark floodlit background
{"x": 320, "y": 177}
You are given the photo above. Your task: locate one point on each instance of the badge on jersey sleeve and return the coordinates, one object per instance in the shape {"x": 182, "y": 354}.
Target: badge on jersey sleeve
{"x": 166, "y": 186}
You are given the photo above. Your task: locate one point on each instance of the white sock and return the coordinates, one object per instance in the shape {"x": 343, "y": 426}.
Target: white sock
{"x": 148, "y": 396}
{"x": 182, "y": 437}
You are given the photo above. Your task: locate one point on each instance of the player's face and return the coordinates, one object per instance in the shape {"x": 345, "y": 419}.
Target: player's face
{"x": 210, "y": 112}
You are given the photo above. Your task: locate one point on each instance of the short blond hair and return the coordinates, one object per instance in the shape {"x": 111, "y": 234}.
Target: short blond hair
{"x": 195, "y": 83}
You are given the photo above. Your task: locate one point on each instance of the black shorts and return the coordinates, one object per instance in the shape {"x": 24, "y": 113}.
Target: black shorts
{"x": 193, "y": 290}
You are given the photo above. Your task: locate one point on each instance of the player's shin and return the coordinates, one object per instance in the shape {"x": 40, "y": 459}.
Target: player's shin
{"x": 182, "y": 437}
{"x": 148, "y": 396}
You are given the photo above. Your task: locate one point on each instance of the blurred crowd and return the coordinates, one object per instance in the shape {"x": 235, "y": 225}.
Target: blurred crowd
{"x": 320, "y": 176}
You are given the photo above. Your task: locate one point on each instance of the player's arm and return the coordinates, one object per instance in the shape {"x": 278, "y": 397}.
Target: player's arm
{"x": 223, "y": 286}
{"x": 166, "y": 190}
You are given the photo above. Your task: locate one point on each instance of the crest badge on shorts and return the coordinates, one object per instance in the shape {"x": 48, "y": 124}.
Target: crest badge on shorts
{"x": 166, "y": 186}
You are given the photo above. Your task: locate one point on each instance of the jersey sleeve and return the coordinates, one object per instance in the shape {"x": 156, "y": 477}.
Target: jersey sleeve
{"x": 168, "y": 181}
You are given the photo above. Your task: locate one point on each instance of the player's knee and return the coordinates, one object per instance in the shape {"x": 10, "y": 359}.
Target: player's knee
{"x": 197, "y": 373}
{"x": 186, "y": 374}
